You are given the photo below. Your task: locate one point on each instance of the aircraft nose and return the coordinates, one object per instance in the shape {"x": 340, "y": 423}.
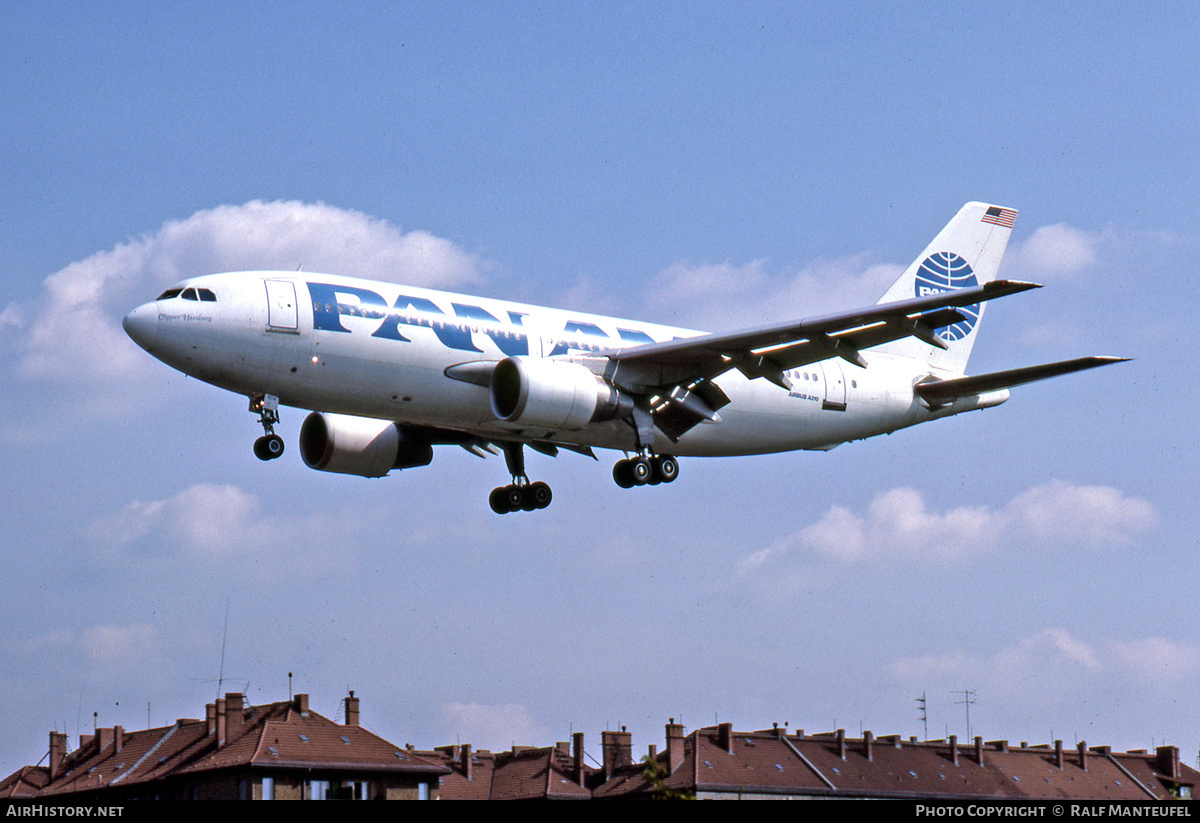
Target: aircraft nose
{"x": 142, "y": 324}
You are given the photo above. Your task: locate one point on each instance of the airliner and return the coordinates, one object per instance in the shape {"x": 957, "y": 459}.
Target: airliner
{"x": 388, "y": 371}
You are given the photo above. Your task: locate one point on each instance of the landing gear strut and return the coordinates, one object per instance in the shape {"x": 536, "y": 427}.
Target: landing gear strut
{"x": 646, "y": 470}
{"x": 270, "y": 445}
{"x": 520, "y": 495}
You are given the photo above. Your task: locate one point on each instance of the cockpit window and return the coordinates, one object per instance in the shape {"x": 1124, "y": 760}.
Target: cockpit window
{"x": 206, "y": 295}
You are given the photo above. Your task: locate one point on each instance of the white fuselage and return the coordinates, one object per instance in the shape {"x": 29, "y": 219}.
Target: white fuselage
{"x": 373, "y": 349}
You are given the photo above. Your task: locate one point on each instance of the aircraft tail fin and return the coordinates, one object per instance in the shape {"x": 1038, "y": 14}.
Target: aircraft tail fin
{"x": 965, "y": 253}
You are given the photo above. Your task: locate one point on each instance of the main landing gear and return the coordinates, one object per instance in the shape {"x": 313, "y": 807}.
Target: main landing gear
{"x": 270, "y": 445}
{"x": 520, "y": 495}
{"x": 646, "y": 470}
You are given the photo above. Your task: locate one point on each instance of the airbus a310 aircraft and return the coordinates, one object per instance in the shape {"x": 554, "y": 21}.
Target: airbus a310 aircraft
{"x": 390, "y": 371}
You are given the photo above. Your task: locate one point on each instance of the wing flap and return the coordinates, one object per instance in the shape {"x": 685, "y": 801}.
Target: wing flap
{"x": 847, "y": 344}
{"x": 768, "y": 350}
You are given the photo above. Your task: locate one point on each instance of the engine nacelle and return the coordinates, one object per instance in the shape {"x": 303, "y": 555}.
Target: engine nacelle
{"x": 360, "y": 445}
{"x": 553, "y": 394}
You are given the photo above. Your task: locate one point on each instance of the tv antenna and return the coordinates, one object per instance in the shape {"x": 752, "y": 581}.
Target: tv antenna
{"x": 921, "y": 705}
{"x": 968, "y": 699}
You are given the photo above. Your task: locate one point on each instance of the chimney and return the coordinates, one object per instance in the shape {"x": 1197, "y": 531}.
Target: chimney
{"x": 104, "y": 736}
{"x": 210, "y": 719}
{"x": 58, "y": 751}
{"x": 221, "y": 722}
{"x": 841, "y": 743}
{"x": 577, "y": 761}
{"x": 351, "y": 710}
{"x": 868, "y": 747}
{"x": 1166, "y": 758}
{"x": 725, "y": 737}
{"x": 1083, "y": 755}
{"x": 1000, "y": 745}
{"x": 467, "y": 763}
{"x": 618, "y": 750}
{"x": 118, "y": 733}
{"x": 954, "y": 749}
{"x": 1058, "y": 755}
{"x": 235, "y": 705}
{"x": 674, "y": 745}
{"x": 300, "y": 704}
{"x": 979, "y": 750}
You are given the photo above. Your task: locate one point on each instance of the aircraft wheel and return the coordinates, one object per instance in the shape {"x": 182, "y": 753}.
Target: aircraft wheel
{"x": 623, "y": 474}
{"x": 514, "y": 497}
{"x": 666, "y": 468}
{"x": 268, "y": 447}
{"x": 498, "y": 500}
{"x": 274, "y": 446}
{"x": 528, "y": 501}
{"x": 642, "y": 471}
{"x": 541, "y": 494}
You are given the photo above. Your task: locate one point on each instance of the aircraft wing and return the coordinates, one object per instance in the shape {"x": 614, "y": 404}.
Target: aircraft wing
{"x": 768, "y": 351}
{"x": 940, "y": 392}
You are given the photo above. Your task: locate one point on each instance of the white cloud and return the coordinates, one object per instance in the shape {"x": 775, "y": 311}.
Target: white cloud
{"x": 73, "y": 333}
{"x": 108, "y": 645}
{"x": 203, "y": 519}
{"x": 1051, "y": 660}
{"x": 492, "y": 726}
{"x": 1062, "y": 513}
{"x": 1054, "y": 250}
{"x": 209, "y": 523}
{"x": 898, "y": 524}
{"x": 726, "y": 295}
{"x": 1156, "y": 658}
{"x": 1047, "y": 664}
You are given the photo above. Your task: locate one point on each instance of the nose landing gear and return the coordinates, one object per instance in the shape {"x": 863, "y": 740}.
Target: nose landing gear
{"x": 270, "y": 445}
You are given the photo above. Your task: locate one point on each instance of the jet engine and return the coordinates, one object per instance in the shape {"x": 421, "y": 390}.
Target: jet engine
{"x": 553, "y": 394}
{"x": 360, "y": 445}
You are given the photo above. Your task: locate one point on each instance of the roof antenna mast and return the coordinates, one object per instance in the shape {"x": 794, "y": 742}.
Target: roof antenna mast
{"x": 224, "y": 636}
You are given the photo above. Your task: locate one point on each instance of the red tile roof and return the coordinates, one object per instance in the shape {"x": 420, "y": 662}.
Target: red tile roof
{"x": 275, "y": 735}
{"x": 520, "y": 774}
{"x": 722, "y": 762}
{"x": 26, "y": 781}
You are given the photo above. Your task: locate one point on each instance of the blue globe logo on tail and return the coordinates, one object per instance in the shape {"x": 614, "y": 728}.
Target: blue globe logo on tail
{"x": 942, "y": 272}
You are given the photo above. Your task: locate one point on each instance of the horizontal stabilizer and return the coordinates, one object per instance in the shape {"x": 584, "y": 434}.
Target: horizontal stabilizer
{"x": 939, "y": 392}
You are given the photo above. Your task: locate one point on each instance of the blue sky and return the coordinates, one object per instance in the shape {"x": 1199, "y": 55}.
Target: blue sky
{"x": 710, "y": 165}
